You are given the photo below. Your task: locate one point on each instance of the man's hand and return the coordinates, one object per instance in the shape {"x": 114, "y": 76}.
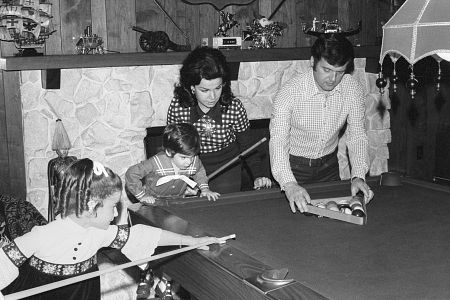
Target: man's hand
{"x": 262, "y": 182}
{"x": 360, "y": 185}
{"x": 297, "y": 196}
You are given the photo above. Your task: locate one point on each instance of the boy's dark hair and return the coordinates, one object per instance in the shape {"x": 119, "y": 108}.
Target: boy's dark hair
{"x": 336, "y": 49}
{"x": 78, "y": 184}
{"x": 181, "y": 138}
{"x": 203, "y": 63}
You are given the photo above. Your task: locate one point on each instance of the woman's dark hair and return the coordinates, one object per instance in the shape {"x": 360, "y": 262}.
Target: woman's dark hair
{"x": 335, "y": 49}
{"x": 78, "y": 184}
{"x": 203, "y": 63}
{"x": 181, "y": 138}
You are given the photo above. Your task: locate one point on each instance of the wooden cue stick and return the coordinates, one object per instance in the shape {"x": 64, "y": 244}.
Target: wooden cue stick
{"x": 236, "y": 158}
{"x": 68, "y": 281}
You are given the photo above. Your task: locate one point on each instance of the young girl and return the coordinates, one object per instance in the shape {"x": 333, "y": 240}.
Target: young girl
{"x": 66, "y": 247}
{"x": 167, "y": 174}
{"x": 203, "y": 98}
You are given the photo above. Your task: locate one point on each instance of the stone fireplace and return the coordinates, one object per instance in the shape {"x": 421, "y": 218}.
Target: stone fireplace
{"x": 106, "y": 112}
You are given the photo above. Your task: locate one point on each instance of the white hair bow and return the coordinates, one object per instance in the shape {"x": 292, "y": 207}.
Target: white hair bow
{"x": 99, "y": 169}
{"x": 168, "y": 178}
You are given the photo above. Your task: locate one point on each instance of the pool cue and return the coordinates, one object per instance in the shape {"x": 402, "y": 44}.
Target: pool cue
{"x": 68, "y": 281}
{"x": 236, "y": 158}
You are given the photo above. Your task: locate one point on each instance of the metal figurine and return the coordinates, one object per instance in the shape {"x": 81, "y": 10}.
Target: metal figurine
{"x": 89, "y": 43}
{"x": 329, "y": 27}
{"x": 158, "y": 41}
{"x": 227, "y": 24}
{"x": 263, "y": 33}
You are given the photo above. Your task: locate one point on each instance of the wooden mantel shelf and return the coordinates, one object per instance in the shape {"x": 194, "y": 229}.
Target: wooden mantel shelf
{"x": 168, "y": 58}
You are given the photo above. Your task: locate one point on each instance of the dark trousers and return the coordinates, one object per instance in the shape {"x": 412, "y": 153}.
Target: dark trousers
{"x": 307, "y": 170}
{"x": 229, "y": 180}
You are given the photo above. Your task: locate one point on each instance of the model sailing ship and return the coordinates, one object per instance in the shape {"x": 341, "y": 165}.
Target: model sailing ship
{"x": 27, "y": 23}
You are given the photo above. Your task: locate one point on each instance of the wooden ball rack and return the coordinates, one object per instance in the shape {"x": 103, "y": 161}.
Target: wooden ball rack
{"x": 337, "y": 215}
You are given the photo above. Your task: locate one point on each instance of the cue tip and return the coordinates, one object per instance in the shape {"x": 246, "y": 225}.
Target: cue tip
{"x": 231, "y": 236}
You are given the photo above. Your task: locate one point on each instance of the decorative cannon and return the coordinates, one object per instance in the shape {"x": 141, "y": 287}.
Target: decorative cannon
{"x": 158, "y": 41}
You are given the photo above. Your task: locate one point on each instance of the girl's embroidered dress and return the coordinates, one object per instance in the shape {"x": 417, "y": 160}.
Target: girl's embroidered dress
{"x": 63, "y": 249}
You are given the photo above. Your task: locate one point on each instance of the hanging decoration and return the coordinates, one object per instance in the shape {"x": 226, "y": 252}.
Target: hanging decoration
{"x": 412, "y": 83}
{"x": 439, "y": 99}
{"x": 381, "y": 83}
{"x": 27, "y": 23}
{"x": 394, "y": 81}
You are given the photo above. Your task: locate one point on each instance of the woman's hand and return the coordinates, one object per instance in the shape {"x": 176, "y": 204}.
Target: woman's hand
{"x": 262, "y": 182}
{"x": 148, "y": 199}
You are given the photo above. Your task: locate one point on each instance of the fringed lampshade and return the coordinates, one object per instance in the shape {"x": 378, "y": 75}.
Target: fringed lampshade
{"x": 418, "y": 29}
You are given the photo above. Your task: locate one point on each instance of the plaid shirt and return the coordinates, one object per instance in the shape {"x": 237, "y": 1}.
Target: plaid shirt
{"x": 306, "y": 122}
{"x": 217, "y": 129}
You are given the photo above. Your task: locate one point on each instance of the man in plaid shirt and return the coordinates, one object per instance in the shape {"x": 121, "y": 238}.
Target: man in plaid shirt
{"x": 308, "y": 114}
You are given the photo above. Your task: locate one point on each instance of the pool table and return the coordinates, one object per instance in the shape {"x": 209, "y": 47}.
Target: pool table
{"x": 402, "y": 252}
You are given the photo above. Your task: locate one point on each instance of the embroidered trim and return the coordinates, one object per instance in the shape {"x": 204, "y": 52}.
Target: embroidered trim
{"x": 123, "y": 232}
{"x": 14, "y": 254}
{"x": 65, "y": 269}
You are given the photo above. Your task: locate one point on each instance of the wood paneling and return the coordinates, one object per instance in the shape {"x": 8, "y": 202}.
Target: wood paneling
{"x": 11, "y": 110}
{"x": 54, "y": 42}
{"x": 112, "y": 20}
{"x": 120, "y": 17}
{"x": 75, "y": 15}
{"x": 98, "y": 9}
{"x": 5, "y": 181}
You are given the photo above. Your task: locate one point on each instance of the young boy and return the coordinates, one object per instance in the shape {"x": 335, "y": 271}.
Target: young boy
{"x": 169, "y": 173}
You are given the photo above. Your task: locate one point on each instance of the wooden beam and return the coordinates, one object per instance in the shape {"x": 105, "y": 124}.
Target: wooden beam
{"x": 166, "y": 58}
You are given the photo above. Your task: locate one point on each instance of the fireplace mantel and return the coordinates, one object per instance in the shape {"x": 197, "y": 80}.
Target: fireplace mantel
{"x": 168, "y": 58}
{"x": 15, "y": 70}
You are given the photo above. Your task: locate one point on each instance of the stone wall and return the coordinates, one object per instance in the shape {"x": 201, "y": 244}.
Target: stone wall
{"x": 106, "y": 111}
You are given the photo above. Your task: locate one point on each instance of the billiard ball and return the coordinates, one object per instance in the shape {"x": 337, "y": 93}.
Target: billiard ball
{"x": 356, "y": 206}
{"x": 332, "y": 206}
{"x": 344, "y": 206}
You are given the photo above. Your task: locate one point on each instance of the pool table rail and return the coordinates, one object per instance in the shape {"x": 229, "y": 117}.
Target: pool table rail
{"x": 221, "y": 262}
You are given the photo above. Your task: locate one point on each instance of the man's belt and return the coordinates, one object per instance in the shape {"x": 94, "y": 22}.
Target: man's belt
{"x": 315, "y": 162}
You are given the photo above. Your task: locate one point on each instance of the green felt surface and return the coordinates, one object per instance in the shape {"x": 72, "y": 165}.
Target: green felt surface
{"x": 401, "y": 253}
